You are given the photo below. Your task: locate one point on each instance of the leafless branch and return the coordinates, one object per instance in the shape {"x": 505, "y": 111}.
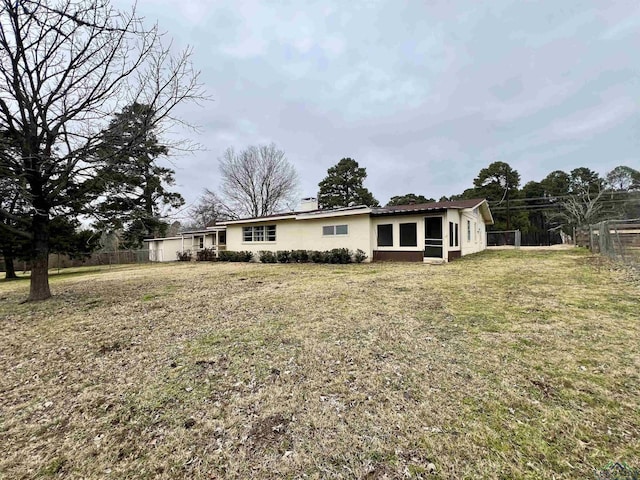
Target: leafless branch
{"x": 257, "y": 181}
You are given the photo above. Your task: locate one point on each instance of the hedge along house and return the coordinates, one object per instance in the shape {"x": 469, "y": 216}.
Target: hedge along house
{"x": 167, "y": 249}
{"x": 430, "y": 232}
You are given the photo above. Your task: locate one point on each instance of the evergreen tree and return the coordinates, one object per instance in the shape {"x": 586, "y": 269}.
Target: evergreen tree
{"x": 409, "y": 198}
{"x": 556, "y": 184}
{"x": 135, "y": 185}
{"x": 623, "y": 179}
{"x": 584, "y": 181}
{"x": 343, "y": 186}
{"x": 499, "y": 184}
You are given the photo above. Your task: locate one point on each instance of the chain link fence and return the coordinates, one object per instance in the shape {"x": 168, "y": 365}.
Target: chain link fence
{"x": 617, "y": 239}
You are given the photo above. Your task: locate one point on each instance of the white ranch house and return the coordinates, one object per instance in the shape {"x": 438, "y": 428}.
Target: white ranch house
{"x": 429, "y": 232}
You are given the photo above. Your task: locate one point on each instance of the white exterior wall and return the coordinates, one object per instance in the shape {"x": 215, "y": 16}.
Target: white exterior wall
{"x": 478, "y": 233}
{"x": 396, "y": 221}
{"x": 165, "y": 250}
{"x": 478, "y": 240}
{"x": 306, "y": 234}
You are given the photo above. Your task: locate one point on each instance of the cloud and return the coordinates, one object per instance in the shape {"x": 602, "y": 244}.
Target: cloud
{"x": 423, "y": 94}
{"x": 629, "y": 25}
{"x": 594, "y": 120}
{"x": 544, "y": 97}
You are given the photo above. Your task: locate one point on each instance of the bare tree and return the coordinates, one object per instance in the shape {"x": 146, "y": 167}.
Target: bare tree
{"x": 208, "y": 210}
{"x": 581, "y": 208}
{"x": 65, "y": 67}
{"x": 258, "y": 181}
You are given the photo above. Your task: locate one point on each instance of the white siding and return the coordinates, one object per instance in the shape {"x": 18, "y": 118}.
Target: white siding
{"x": 478, "y": 232}
{"x": 396, "y": 220}
{"x": 165, "y": 250}
{"x": 294, "y": 234}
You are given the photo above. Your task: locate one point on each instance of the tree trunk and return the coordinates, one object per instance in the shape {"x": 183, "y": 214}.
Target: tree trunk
{"x": 39, "y": 288}
{"x": 9, "y": 268}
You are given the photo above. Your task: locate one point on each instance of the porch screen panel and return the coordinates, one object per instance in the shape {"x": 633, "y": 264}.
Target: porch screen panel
{"x": 433, "y": 228}
{"x": 385, "y": 235}
{"x": 433, "y": 237}
{"x": 408, "y": 235}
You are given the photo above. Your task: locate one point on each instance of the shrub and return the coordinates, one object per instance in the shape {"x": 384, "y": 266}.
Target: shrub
{"x": 283, "y": 256}
{"x": 245, "y": 256}
{"x": 318, "y": 257}
{"x": 299, "y": 256}
{"x": 339, "y": 255}
{"x": 266, "y": 256}
{"x": 359, "y": 256}
{"x": 230, "y": 256}
{"x": 225, "y": 255}
{"x": 184, "y": 256}
{"x": 206, "y": 255}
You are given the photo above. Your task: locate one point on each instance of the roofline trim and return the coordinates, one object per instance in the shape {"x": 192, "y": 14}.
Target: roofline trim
{"x": 355, "y": 210}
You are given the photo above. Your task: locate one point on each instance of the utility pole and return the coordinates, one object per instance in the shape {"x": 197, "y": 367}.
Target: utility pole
{"x": 508, "y": 209}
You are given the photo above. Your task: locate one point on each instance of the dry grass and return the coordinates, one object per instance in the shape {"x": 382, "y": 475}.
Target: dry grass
{"x": 504, "y": 365}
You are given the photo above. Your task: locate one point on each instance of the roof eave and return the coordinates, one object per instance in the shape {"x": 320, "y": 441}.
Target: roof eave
{"x": 356, "y": 210}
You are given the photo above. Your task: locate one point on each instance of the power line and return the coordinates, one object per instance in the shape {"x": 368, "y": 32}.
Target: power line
{"x": 556, "y": 197}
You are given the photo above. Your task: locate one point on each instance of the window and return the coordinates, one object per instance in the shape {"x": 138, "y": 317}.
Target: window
{"x": 385, "y": 235}
{"x": 201, "y": 242}
{"x": 408, "y": 235}
{"x": 468, "y": 230}
{"x": 260, "y": 233}
{"x": 453, "y": 235}
{"x": 335, "y": 230}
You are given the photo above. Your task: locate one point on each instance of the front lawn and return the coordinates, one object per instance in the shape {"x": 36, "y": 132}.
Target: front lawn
{"x": 502, "y": 365}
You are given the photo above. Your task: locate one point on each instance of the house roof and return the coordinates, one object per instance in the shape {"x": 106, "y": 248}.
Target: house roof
{"x": 189, "y": 233}
{"x": 423, "y": 207}
{"x": 362, "y": 209}
{"x": 437, "y": 206}
{"x": 303, "y": 215}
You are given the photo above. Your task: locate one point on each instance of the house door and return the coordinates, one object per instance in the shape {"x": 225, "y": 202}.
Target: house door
{"x": 433, "y": 237}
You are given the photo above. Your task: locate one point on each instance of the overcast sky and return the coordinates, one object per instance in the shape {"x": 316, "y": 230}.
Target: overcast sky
{"x": 423, "y": 94}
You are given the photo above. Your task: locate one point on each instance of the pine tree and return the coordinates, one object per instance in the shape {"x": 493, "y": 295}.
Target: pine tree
{"x": 343, "y": 186}
{"x": 134, "y": 182}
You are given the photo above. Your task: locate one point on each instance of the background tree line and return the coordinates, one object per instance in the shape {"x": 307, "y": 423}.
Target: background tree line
{"x": 559, "y": 201}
